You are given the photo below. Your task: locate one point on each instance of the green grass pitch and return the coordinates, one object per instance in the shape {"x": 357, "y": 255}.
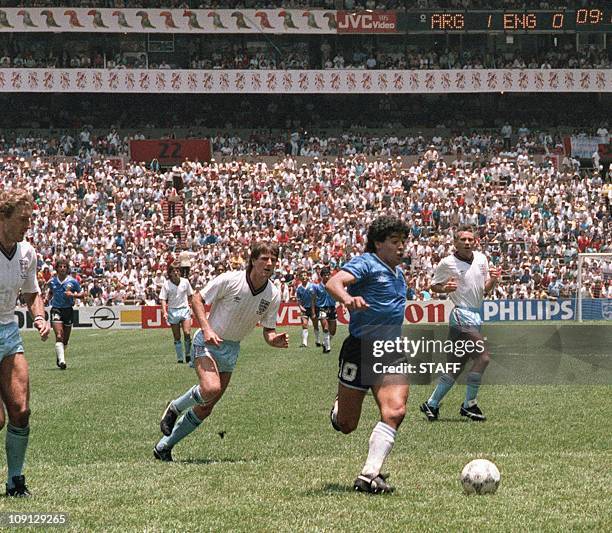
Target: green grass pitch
{"x": 280, "y": 466}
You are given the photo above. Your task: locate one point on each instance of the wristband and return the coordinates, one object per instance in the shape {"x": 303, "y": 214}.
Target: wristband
{"x": 39, "y": 317}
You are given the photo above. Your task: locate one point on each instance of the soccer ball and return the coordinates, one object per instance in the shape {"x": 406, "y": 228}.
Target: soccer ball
{"x": 480, "y": 477}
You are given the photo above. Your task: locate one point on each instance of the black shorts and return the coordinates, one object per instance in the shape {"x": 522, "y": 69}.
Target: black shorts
{"x": 356, "y": 365}
{"x": 327, "y": 313}
{"x": 349, "y": 364}
{"x": 62, "y": 314}
{"x": 307, "y": 312}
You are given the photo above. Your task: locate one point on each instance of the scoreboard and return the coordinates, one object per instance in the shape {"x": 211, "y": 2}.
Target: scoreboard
{"x": 591, "y": 19}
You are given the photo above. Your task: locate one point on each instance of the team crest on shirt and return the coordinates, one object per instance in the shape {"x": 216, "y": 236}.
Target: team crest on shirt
{"x": 263, "y": 306}
{"x": 23, "y": 268}
{"x": 381, "y": 278}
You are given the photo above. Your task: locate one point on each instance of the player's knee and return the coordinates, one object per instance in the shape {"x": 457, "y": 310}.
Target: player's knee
{"x": 210, "y": 392}
{"x": 394, "y": 415}
{"x": 19, "y": 416}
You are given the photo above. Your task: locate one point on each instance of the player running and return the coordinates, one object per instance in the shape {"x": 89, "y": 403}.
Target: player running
{"x": 466, "y": 277}
{"x": 63, "y": 289}
{"x": 240, "y": 300}
{"x": 175, "y": 297}
{"x": 325, "y": 308}
{"x": 17, "y": 273}
{"x": 305, "y": 298}
{"x": 372, "y": 287}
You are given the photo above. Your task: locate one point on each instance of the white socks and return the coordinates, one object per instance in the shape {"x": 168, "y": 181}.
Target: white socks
{"x": 381, "y": 444}
{"x": 326, "y": 340}
{"x": 305, "y": 337}
{"x": 59, "y": 352}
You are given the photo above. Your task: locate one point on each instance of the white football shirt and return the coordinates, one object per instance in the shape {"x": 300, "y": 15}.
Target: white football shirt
{"x": 237, "y": 308}
{"x": 17, "y": 273}
{"x": 471, "y": 278}
{"x": 176, "y": 296}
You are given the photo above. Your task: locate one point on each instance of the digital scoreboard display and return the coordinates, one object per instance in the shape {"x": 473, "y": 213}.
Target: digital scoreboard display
{"x": 593, "y": 19}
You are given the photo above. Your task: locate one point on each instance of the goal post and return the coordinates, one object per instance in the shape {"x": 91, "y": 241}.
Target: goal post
{"x": 593, "y": 278}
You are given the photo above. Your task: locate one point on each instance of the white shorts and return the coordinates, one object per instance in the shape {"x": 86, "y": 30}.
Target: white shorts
{"x": 464, "y": 318}
{"x": 224, "y": 355}
{"x": 178, "y": 315}
{"x": 10, "y": 340}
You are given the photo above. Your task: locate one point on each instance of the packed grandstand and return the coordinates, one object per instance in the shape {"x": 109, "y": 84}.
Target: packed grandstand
{"x": 312, "y": 171}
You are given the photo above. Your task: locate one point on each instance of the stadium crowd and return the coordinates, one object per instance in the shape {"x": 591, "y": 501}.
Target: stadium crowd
{"x": 414, "y": 59}
{"x": 224, "y": 53}
{"x": 507, "y": 141}
{"x": 120, "y": 228}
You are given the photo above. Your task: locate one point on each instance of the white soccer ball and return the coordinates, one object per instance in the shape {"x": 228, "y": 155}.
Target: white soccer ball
{"x": 480, "y": 477}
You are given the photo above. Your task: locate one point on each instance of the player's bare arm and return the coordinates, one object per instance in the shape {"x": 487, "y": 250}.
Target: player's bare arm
{"x": 449, "y": 286}
{"x": 36, "y": 307}
{"x": 210, "y": 337}
{"x": 277, "y": 340}
{"x": 336, "y": 286}
{"x": 494, "y": 275}
{"x": 164, "y": 306}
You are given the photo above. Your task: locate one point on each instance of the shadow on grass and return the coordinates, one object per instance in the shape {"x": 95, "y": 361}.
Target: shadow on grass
{"x": 197, "y": 461}
{"x": 330, "y": 489}
{"x": 447, "y": 420}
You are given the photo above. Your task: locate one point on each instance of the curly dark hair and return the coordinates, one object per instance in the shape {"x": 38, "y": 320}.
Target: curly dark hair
{"x": 381, "y": 228}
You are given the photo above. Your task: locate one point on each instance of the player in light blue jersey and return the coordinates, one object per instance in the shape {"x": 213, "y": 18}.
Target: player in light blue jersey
{"x": 325, "y": 308}
{"x": 63, "y": 289}
{"x": 305, "y": 298}
{"x": 372, "y": 287}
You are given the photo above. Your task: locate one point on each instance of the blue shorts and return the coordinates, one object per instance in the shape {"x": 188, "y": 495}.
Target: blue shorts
{"x": 224, "y": 355}
{"x": 178, "y": 315}
{"x": 10, "y": 340}
{"x": 465, "y": 319}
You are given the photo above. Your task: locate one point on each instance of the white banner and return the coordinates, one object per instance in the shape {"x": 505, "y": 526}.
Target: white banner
{"x": 584, "y": 147}
{"x": 167, "y": 21}
{"x": 103, "y": 317}
{"x": 303, "y": 81}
